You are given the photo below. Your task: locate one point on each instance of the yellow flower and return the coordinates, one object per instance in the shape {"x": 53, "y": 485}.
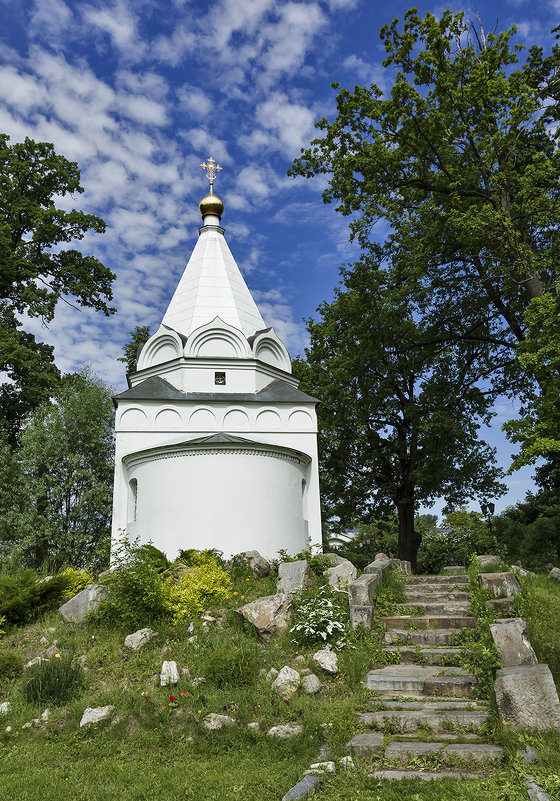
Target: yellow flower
{"x": 248, "y": 579}
{"x": 57, "y": 656}
{"x": 235, "y": 593}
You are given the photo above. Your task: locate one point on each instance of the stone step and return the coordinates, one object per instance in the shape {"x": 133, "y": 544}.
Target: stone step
{"x": 453, "y": 581}
{"x": 430, "y": 622}
{"x": 430, "y": 607}
{"x": 433, "y": 656}
{"x": 420, "y": 636}
{"x": 415, "y": 595}
{"x": 407, "y": 679}
{"x": 429, "y": 704}
{"x": 425, "y": 775}
{"x": 409, "y": 720}
{"x": 478, "y": 752}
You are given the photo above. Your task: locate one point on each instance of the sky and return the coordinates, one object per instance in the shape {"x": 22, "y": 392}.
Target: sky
{"x": 140, "y": 92}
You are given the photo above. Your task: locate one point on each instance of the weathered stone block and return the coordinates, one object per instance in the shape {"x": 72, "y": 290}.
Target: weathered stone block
{"x": 361, "y": 616}
{"x": 488, "y": 559}
{"x": 455, "y": 570}
{"x": 259, "y": 565}
{"x": 139, "y": 639}
{"x": 377, "y": 566}
{"x": 511, "y": 637}
{"x": 405, "y": 566}
{"x": 96, "y": 714}
{"x": 293, "y": 576}
{"x": 361, "y": 591}
{"x": 554, "y": 574}
{"x": 302, "y": 788}
{"x": 327, "y": 660}
{"x": 287, "y": 682}
{"x": 268, "y": 615}
{"x": 340, "y": 576}
{"x": 527, "y": 698}
{"x": 88, "y": 600}
{"x": 310, "y": 684}
{"x": 169, "y": 673}
{"x": 500, "y": 584}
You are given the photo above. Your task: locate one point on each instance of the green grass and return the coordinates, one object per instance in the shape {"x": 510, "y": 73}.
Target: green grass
{"x": 540, "y": 605}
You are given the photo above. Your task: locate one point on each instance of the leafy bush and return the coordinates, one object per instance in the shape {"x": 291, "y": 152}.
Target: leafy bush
{"x": 191, "y": 556}
{"x": 11, "y": 662}
{"x": 229, "y": 667}
{"x": 55, "y": 681}
{"x": 153, "y": 556}
{"x": 24, "y": 596}
{"x": 321, "y": 617}
{"x": 318, "y": 562}
{"x": 461, "y": 534}
{"x": 78, "y": 579}
{"x": 2, "y": 621}
{"x": 204, "y": 582}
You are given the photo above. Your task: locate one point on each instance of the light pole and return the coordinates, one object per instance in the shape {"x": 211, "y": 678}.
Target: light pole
{"x": 488, "y": 510}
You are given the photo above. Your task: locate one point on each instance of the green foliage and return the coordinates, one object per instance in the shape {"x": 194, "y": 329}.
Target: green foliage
{"x": 36, "y": 269}
{"x": 131, "y": 350}
{"x": 55, "y": 681}
{"x": 24, "y": 596}
{"x": 539, "y": 604}
{"x": 318, "y": 562}
{"x": 11, "y": 663}
{"x": 461, "y": 534}
{"x": 78, "y": 580}
{"x": 67, "y": 460}
{"x": 379, "y": 536}
{"x": 529, "y": 532}
{"x": 232, "y": 667}
{"x": 153, "y": 556}
{"x": 321, "y": 617}
{"x": 390, "y": 592}
{"x": 204, "y": 582}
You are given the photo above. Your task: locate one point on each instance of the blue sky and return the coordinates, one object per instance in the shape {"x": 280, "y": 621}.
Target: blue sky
{"x": 139, "y": 92}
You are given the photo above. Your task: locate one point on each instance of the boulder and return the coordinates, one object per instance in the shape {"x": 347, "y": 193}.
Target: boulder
{"x": 88, "y": 600}
{"x": 271, "y": 675}
{"x": 334, "y": 559}
{"x": 511, "y": 638}
{"x": 287, "y": 682}
{"x": 169, "y": 674}
{"x": 500, "y": 584}
{"x": 340, "y": 576}
{"x": 520, "y": 571}
{"x": 139, "y": 639}
{"x": 361, "y": 591}
{"x": 213, "y": 721}
{"x": 381, "y": 557}
{"x": 527, "y": 698}
{"x": 327, "y": 660}
{"x": 554, "y": 574}
{"x": 4, "y": 707}
{"x": 293, "y": 576}
{"x": 310, "y": 684}
{"x": 488, "y": 559}
{"x": 268, "y": 615}
{"x": 96, "y": 714}
{"x": 259, "y": 565}
{"x": 285, "y": 730}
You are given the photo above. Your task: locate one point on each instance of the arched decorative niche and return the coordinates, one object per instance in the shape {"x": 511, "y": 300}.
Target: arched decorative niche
{"x": 235, "y": 419}
{"x": 203, "y": 419}
{"x": 217, "y": 340}
{"x": 133, "y": 418}
{"x": 268, "y": 348}
{"x": 268, "y": 419}
{"x": 300, "y": 419}
{"x": 168, "y": 418}
{"x": 164, "y": 346}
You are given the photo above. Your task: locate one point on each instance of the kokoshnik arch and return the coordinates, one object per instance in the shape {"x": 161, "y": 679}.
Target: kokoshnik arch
{"x": 216, "y": 447}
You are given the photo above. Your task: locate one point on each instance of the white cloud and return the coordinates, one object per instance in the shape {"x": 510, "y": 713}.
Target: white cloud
{"x": 120, "y": 25}
{"x": 291, "y": 123}
{"x": 195, "y": 101}
{"x": 50, "y": 19}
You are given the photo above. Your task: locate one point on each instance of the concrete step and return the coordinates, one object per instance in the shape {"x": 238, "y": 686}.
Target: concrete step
{"x": 454, "y": 581}
{"x": 419, "y": 636}
{"x": 430, "y": 607}
{"x": 430, "y": 704}
{"x": 433, "y": 656}
{"x": 433, "y": 680}
{"x": 430, "y": 622}
{"x": 415, "y": 595}
{"x": 424, "y": 775}
{"x": 437, "y": 720}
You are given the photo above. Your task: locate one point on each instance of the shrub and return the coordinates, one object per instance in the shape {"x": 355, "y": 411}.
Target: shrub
{"x": 232, "y": 666}
{"x": 24, "y": 596}
{"x": 204, "y": 582}
{"x": 78, "y": 579}
{"x": 11, "y": 662}
{"x": 55, "y": 681}
{"x": 2, "y": 621}
{"x": 321, "y": 617}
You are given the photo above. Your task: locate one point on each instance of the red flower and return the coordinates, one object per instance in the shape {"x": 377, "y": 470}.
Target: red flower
{"x": 171, "y": 698}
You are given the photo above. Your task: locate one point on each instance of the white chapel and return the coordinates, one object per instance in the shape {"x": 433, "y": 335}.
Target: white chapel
{"x": 216, "y": 447}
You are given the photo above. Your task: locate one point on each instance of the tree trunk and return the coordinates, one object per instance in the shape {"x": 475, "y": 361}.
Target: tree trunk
{"x": 409, "y": 539}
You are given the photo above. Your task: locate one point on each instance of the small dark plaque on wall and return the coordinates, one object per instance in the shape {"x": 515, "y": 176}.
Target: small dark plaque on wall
{"x": 220, "y": 378}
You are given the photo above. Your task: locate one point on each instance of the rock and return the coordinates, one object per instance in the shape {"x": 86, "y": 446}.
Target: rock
{"x": 346, "y": 762}
{"x": 8, "y": 729}
{"x": 43, "y": 641}
{"x": 340, "y": 576}
{"x": 88, "y": 600}
{"x": 106, "y": 573}
{"x": 169, "y": 674}
{"x": 259, "y": 565}
{"x": 268, "y": 615}
{"x": 520, "y": 571}
{"x": 554, "y": 574}
{"x": 293, "y": 576}
{"x": 527, "y": 698}
{"x": 304, "y": 672}
{"x": 500, "y": 584}
{"x": 299, "y": 659}
{"x": 361, "y": 616}
{"x": 378, "y": 567}
{"x": 4, "y": 707}
{"x": 403, "y": 565}
{"x": 35, "y": 661}
{"x": 287, "y": 682}
{"x": 272, "y": 673}
{"x": 361, "y": 591}
{"x": 198, "y": 680}
{"x": 334, "y": 558}
{"x": 529, "y": 755}
{"x": 185, "y": 672}
{"x": 381, "y": 557}
{"x": 254, "y": 725}
{"x": 310, "y": 684}
{"x": 45, "y": 715}
{"x": 455, "y": 570}
{"x": 50, "y": 652}
{"x": 285, "y": 730}
{"x": 366, "y": 744}
{"x": 511, "y": 638}
{"x": 327, "y": 660}
{"x": 213, "y": 722}
{"x": 96, "y": 714}
{"x": 139, "y": 639}
{"x": 501, "y": 605}
{"x": 535, "y": 792}
{"x": 328, "y": 767}
{"x": 488, "y": 559}
{"x": 302, "y": 788}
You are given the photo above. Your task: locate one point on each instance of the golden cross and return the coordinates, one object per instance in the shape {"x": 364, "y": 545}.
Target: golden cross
{"x": 211, "y": 170}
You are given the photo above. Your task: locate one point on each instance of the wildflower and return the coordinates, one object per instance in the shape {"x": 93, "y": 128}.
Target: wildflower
{"x": 171, "y": 698}
{"x": 144, "y": 694}
{"x": 248, "y": 579}
{"x": 57, "y": 656}
{"x": 242, "y": 597}
{"x": 235, "y": 593}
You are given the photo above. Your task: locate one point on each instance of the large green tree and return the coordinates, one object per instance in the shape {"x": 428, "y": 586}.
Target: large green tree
{"x": 460, "y": 157}
{"x": 400, "y": 411}
{"x": 38, "y": 268}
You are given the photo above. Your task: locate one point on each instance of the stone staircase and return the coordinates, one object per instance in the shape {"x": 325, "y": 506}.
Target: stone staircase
{"x": 426, "y": 707}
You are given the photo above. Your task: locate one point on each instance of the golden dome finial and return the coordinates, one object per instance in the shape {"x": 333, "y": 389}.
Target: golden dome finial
{"x": 211, "y": 204}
